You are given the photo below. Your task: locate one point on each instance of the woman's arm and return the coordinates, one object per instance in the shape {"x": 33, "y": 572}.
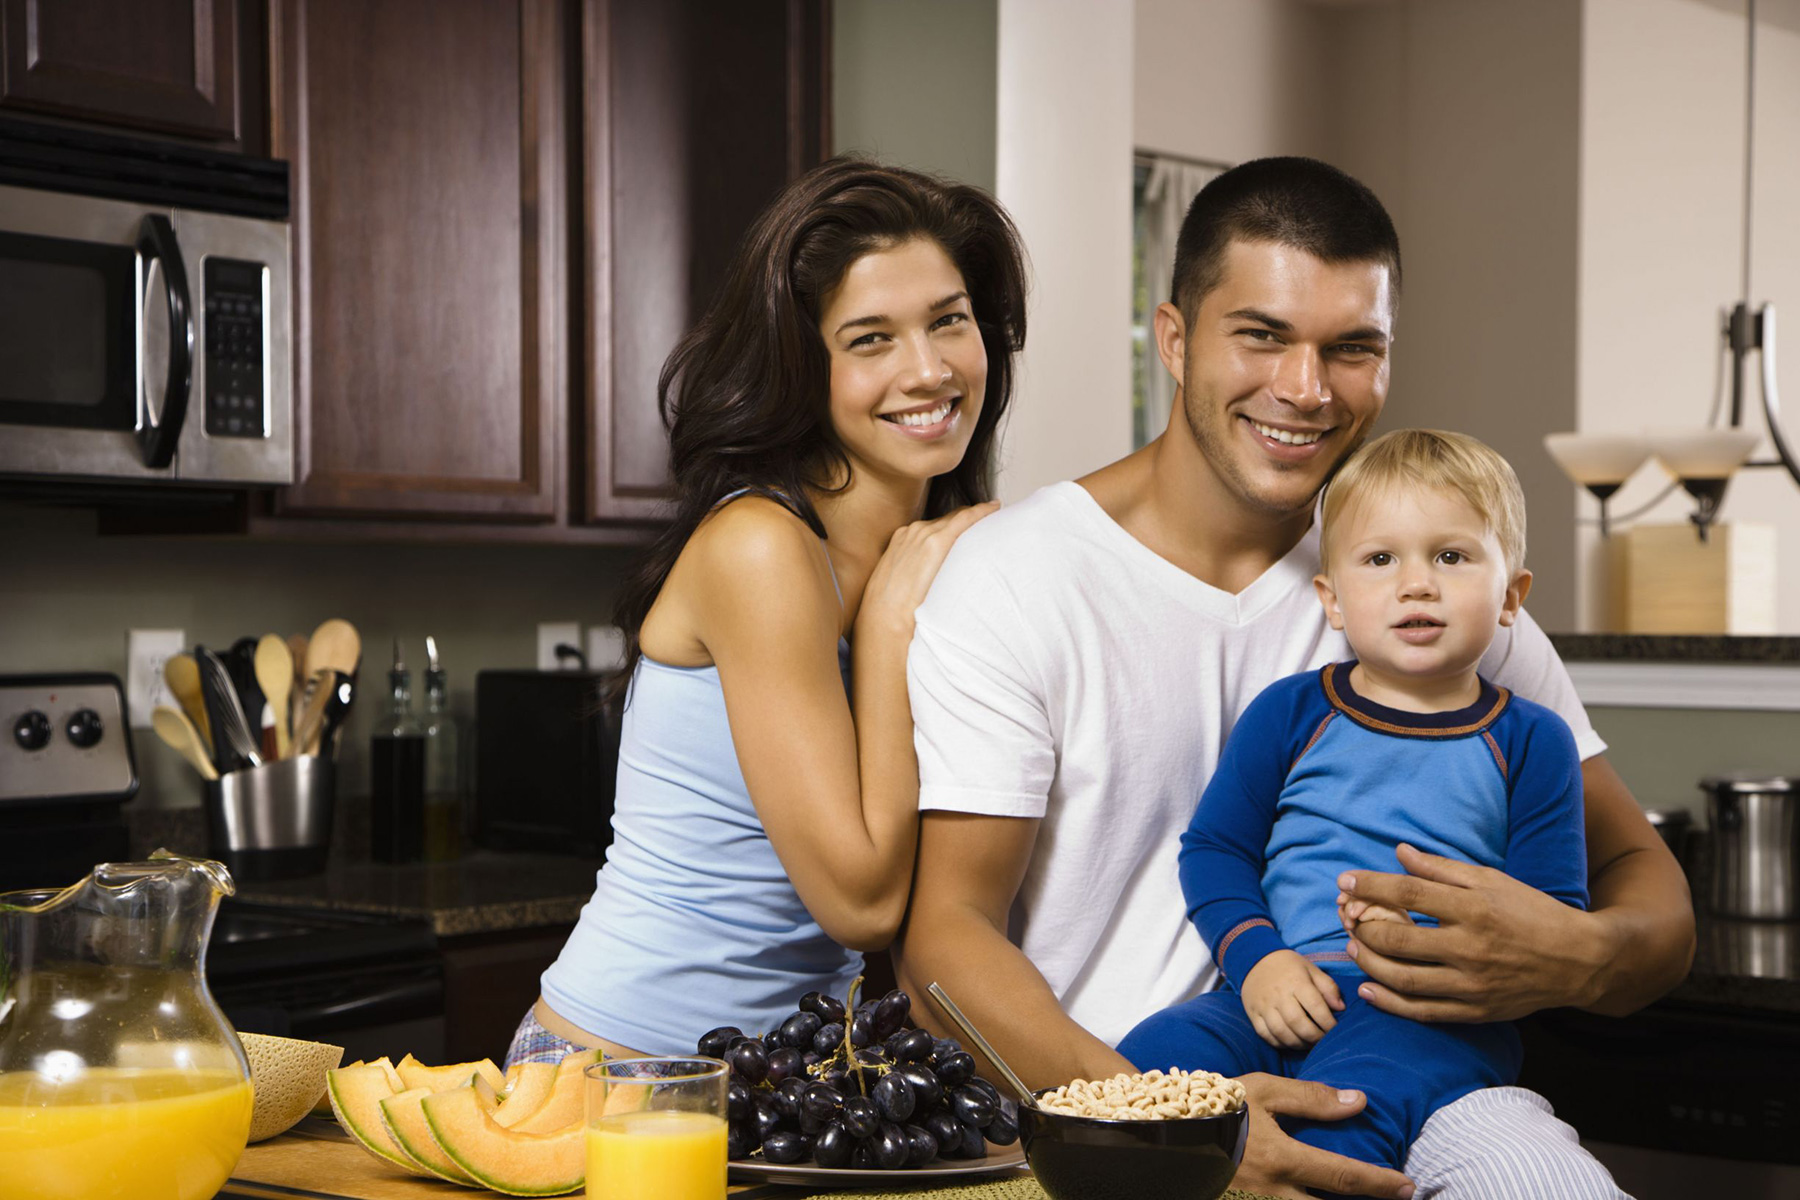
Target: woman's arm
{"x": 837, "y": 796}
{"x": 1505, "y": 950}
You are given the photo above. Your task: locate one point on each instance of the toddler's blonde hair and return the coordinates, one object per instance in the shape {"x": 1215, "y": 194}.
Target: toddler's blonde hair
{"x": 1432, "y": 458}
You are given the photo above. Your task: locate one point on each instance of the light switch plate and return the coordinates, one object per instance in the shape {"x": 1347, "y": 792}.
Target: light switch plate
{"x": 146, "y": 650}
{"x": 550, "y": 635}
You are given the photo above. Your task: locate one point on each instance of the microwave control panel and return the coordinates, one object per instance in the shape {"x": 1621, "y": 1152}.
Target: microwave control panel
{"x": 236, "y": 344}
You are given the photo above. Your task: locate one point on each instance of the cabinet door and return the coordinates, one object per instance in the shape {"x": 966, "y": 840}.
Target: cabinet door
{"x": 170, "y": 66}
{"x": 696, "y": 113}
{"x": 426, "y": 145}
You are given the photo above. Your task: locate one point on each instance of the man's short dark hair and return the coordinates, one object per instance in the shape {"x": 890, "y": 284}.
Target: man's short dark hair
{"x": 1298, "y": 202}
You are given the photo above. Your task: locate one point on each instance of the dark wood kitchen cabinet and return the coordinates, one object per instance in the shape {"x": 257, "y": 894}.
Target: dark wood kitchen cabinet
{"x": 426, "y": 141}
{"x": 490, "y": 980}
{"x": 190, "y": 69}
{"x": 505, "y": 213}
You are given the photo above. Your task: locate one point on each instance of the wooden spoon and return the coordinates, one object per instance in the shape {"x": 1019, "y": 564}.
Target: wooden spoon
{"x": 173, "y": 727}
{"x": 275, "y": 675}
{"x": 335, "y": 646}
{"x": 182, "y": 674}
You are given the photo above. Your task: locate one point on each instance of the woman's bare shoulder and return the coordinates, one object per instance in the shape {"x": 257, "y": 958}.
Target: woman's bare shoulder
{"x": 754, "y": 555}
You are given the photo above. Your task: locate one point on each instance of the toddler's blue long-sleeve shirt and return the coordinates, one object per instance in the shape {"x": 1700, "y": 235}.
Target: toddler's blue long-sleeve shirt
{"x": 1316, "y": 780}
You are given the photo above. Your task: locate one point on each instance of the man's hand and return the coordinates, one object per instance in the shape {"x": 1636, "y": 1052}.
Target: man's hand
{"x": 1290, "y": 1001}
{"x": 1502, "y": 949}
{"x": 1276, "y": 1165}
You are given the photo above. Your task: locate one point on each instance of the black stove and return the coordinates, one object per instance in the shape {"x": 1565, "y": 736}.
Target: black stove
{"x": 371, "y": 984}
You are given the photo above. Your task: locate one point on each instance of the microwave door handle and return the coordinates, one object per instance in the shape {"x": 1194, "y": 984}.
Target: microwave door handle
{"x": 161, "y": 429}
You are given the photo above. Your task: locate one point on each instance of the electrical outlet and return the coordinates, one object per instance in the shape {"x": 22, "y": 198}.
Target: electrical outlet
{"x": 605, "y": 647}
{"x": 146, "y": 650}
{"x": 552, "y": 634}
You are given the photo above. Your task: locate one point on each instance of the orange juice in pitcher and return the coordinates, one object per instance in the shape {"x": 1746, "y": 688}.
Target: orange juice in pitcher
{"x": 119, "y": 1076}
{"x": 108, "y": 1134}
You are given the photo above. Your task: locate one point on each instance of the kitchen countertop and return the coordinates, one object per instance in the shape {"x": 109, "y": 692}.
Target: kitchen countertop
{"x": 1665, "y": 648}
{"x": 482, "y": 892}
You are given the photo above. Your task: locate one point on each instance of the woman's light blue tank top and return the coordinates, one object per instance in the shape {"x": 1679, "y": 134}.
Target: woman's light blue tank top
{"x": 693, "y": 923}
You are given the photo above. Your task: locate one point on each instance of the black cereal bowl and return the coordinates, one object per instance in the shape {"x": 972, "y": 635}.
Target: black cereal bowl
{"x": 1086, "y": 1158}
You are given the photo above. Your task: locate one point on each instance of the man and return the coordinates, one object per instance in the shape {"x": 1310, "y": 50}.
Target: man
{"x": 1084, "y": 653}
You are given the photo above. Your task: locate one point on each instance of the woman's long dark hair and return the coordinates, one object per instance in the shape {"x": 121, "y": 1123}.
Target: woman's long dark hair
{"x": 746, "y": 394}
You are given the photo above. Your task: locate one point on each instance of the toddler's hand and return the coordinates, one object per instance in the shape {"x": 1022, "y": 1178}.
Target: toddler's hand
{"x": 1289, "y": 1001}
{"x": 1353, "y": 912}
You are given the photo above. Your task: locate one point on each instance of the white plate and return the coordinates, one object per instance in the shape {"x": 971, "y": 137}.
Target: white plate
{"x": 1001, "y": 1160}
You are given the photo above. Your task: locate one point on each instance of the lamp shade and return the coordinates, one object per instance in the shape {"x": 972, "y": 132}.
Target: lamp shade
{"x": 1592, "y": 459}
{"x": 1703, "y": 453}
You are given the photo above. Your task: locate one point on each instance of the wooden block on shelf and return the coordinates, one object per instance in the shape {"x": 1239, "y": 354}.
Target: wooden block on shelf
{"x": 1664, "y": 579}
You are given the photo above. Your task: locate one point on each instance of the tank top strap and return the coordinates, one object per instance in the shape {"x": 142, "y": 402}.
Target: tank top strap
{"x": 831, "y": 566}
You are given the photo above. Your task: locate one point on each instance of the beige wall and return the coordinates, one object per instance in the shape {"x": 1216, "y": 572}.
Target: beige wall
{"x": 1661, "y": 236}
{"x": 68, "y": 596}
{"x": 1064, "y": 170}
{"x": 912, "y": 83}
{"x": 1229, "y": 80}
{"x": 1466, "y": 128}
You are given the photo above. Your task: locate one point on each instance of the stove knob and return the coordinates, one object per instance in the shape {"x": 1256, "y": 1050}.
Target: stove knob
{"x": 32, "y": 731}
{"x": 84, "y": 728}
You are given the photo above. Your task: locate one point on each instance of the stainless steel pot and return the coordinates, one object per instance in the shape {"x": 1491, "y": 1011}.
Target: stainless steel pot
{"x": 1755, "y": 845}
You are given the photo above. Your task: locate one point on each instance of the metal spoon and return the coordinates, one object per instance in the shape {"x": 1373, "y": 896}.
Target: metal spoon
{"x": 974, "y": 1035}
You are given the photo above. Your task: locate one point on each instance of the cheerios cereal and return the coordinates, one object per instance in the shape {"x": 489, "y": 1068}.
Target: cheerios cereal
{"x": 1152, "y": 1096}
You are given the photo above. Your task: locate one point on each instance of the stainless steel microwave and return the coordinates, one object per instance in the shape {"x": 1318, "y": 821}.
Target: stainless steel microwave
{"x": 144, "y": 327}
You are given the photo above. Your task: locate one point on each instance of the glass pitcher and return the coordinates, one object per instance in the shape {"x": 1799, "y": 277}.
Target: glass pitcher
{"x": 119, "y": 1076}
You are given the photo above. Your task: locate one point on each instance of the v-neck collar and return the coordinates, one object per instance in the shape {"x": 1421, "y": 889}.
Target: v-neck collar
{"x": 1293, "y": 570}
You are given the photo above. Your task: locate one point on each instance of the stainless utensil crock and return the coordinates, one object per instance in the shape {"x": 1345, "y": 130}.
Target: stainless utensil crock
{"x": 273, "y": 821}
{"x": 1755, "y": 845}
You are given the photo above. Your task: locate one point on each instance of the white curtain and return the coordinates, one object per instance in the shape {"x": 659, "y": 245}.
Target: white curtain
{"x": 1169, "y": 189}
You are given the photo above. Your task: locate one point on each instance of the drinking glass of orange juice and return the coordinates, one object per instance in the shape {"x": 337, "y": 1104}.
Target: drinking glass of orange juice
{"x": 656, "y": 1129}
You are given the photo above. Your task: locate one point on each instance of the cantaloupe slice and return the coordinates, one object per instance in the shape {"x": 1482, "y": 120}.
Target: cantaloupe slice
{"x": 532, "y": 1084}
{"x": 414, "y": 1073}
{"x": 356, "y": 1095}
{"x": 518, "y": 1164}
{"x": 323, "y": 1107}
{"x": 565, "y": 1103}
{"x": 405, "y": 1122}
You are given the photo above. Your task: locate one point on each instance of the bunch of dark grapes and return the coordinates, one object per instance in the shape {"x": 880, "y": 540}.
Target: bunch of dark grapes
{"x": 867, "y": 1092}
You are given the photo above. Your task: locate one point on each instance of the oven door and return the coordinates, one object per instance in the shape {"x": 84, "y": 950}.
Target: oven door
{"x": 372, "y": 985}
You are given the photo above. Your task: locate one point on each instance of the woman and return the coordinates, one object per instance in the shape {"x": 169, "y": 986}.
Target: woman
{"x": 832, "y": 422}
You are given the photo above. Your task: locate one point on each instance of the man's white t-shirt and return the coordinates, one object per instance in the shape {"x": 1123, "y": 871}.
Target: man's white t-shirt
{"x": 1061, "y": 669}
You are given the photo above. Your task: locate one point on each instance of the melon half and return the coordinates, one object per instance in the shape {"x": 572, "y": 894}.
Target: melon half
{"x": 506, "y": 1160}
{"x": 288, "y": 1076}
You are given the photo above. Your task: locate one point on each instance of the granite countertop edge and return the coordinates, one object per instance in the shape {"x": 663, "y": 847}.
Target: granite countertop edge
{"x": 1677, "y": 648}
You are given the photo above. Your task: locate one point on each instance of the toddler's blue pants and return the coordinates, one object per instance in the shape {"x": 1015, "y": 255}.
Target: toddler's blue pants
{"x": 1408, "y": 1069}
